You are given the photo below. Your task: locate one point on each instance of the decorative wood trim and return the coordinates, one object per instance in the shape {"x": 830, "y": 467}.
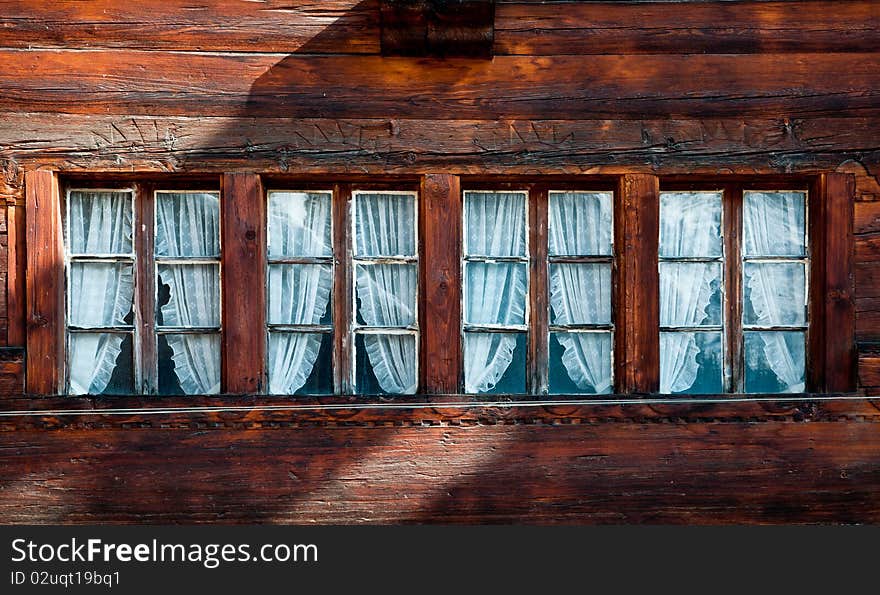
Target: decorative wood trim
{"x": 440, "y": 205}
{"x": 637, "y": 216}
{"x": 243, "y": 262}
{"x": 45, "y": 284}
{"x": 15, "y": 278}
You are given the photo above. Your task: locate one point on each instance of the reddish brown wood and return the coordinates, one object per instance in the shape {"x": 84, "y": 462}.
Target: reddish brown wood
{"x": 15, "y": 280}
{"x": 539, "y": 291}
{"x": 732, "y": 222}
{"x": 243, "y": 240}
{"x": 147, "y": 356}
{"x": 343, "y": 345}
{"x": 837, "y": 310}
{"x": 607, "y": 86}
{"x": 637, "y": 344}
{"x": 45, "y": 284}
{"x": 437, "y": 27}
{"x": 685, "y": 27}
{"x": 441, "y": 283}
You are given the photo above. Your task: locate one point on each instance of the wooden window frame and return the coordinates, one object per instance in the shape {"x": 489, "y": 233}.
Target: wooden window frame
{"x": 831, "y": 351}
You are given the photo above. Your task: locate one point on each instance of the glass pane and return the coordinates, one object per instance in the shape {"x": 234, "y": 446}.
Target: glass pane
{"x": 580, "y": 223}
{"x": 100, "y": 222}
{"x": 690, "y": 293}
{"x": 495, "y": 363}
{"x": 189, "y": 364}
{"x": 386, "y": 294}
{"x": 300, "y": 363}
{"x": 101, "y": 363}
{"x": 299, "y": 224}
{"x": 580, "y": 363}
{"x": 495, "y": 293}
{"x": 690, "y": 224}
{"x": 101, "y": 294}
{"x": 300, "y": 293}
{"x": 691, "y": 363}
{"x": 385, "y": 364}
{"x": 580, "y": 294}
{"x": 188, "y": 224}
{"x": 189, "y": 295}
{"x": 775, "y": 294}
{"x": 775, "y": 361}
{"x": 495, "y": 223}
{"x": 774, "y": 223}
{"x": 385, "y": 224}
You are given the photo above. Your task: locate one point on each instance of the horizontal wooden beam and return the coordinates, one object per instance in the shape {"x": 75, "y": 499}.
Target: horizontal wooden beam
{"x": 437, "y": 27}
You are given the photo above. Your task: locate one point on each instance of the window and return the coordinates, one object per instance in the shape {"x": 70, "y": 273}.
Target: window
{"x": 123, "y": 341}
{"x": 572, "y": 237}
{"x": 733, "y": 299}
{"x": 380, "y": 330}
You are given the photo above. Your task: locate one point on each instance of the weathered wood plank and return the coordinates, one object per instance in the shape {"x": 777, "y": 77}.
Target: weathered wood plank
{"x": 305, "y": 26}
{"x": 244, "y": 283}
{"x": 690, "y": 27}
{"x": 441, "y": 283}
{"x": 15, "y": 281}
{"x": 437, "y": 27}
{"x": 45, "y": 284}
{"x": 385, "y": 145}
{"x": 623, "y": 473}
{"x": 606, "y": 86}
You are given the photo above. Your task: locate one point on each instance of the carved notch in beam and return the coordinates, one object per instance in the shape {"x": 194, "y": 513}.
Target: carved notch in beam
{"x": 438, "y": 27}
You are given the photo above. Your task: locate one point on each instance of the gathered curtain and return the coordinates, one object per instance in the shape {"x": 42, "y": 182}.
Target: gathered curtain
{"x": 495, "y": 291}
{"x": 298, "y": 294}
{"x": 188, "y": 226}
{"x": 773, "y": 226}
{"x": 101, "y": 293}
{"x": 581, "y": 294}
{"x": 689, "y": 226}
{"x": 387, "y": 292}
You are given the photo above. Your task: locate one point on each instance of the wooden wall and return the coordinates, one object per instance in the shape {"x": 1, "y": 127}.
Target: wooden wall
{"x": 299, "y": 86}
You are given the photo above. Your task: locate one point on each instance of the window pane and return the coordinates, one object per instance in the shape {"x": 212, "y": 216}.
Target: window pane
{"x": 495, "y": 363}
{"x": 385, "y": 364}
{"x": 690, "y": 293}
{"x": 189, "y": 364}
{"x": 101, "y": 363}
{"x": 774, "y": 223}
{"x": 775, "y": 294}
{"x": 299, "y": 224}
{"x": 386, "y": 294}
{"x": 691, "y": 363}
{"x": 580, "y": 223}
{"x": 580, "y": 294}
{"x": 495, "y": 293}
{"x": 495, "y": 223}
{"x": 189, "y": 295}
{"x": 188, "y": 224}
{"x": 775, "y": 361}
{"x": 100, "y": 222}
{"x": 101, "y": 294}
{"x": 385, "y": 224}
{"x": 690, "y": 224}
{"x": 300, "y": 293}
{"x": 580, "y": 362}
{"x": 300, "y": 363}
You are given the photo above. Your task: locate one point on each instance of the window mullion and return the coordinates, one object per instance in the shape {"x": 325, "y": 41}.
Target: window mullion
{"x": 146, "y": 368}
{"x": 538, "y": 315}
{"x": 343, "y": 338}
{"x": 731, "y": 227}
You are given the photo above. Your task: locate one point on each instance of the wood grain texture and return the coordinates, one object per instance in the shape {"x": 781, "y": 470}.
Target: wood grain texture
{"x": 441, "y": 283}
{"x": 45, "y": 284}
{"x": 685, "y": 27}
{"x": 309, "y": 26}
{"x": 437, "y": 27}
{"x": 15, "y": 280}
{"x": 301, "y": 86}
{"x": 637, "y": 345}
{"x": 243, "y": 265}
{"x": 738, "y": 472}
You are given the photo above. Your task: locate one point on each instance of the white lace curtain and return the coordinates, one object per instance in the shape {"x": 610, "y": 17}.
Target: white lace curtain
{"x": 385, "y": 227}
{"x": 580, "y": 224}
{"x": 773, "y": 225}
{"x": 689, "y": 226}
{"x": 187, "y": 225}
{"x": 101, "y": 293}
{"x": 299, "y": 226}
{"x": 496, "y": 292}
